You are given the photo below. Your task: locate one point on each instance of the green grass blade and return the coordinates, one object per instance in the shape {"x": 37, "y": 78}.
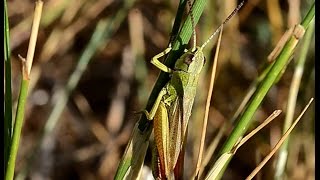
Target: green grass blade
{"x": 309, "y": 17}
{"x": 8, "y": 90}
{"x": 17, "y": 128}
{"x": 178, "y": 20}
{"x": 134, "y": 156}
{"x": 25, "y": 79}
{"x": 245, "y": 119}
{"x": 143, "y": 129}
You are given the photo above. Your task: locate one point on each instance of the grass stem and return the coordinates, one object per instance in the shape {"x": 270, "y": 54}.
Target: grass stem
{"x": 26, "y": 68}
{"x": 8, "y": 88}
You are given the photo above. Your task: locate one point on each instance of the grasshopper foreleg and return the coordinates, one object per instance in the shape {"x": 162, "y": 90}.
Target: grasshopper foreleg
{"x": 155, "y": 61}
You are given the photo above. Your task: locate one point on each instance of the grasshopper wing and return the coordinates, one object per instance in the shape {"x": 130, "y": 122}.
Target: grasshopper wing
{"x": 176, "y": 132}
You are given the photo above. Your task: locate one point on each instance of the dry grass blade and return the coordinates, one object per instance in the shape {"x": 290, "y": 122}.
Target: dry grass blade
{"x": 275, "y": 114}
{"x": 205, "y": 121}
{"x": 34, "y": 35}
{"x": 278, "y": 145}
{"x": 225, "y": 157}
{"x": 212, "y": 147}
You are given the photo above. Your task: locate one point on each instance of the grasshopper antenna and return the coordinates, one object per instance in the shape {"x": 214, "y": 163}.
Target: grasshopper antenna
{"x": 193, "y": 26}
{"x": 224, "y": 22}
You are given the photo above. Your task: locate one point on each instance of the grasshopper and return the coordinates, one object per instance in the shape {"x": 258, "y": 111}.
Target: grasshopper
{"x": 172, "y": 108}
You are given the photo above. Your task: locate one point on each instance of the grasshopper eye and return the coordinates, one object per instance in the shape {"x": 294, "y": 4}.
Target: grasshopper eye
{"x": 188, "y": 59}
{"x": 204, "y": 60}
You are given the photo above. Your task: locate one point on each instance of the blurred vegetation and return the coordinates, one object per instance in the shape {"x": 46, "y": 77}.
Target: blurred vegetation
{"x": 89, "y": 137}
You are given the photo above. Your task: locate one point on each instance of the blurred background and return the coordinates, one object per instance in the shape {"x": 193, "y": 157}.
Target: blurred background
{"x": 92, "y": 71}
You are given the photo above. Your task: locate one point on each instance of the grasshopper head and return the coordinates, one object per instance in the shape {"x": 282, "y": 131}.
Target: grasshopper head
{"x": 192, "y": 61}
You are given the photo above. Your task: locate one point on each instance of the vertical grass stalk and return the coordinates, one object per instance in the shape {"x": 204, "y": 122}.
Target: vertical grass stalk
{"x": 26, "y": 68}
{"x": 8, "y": 90}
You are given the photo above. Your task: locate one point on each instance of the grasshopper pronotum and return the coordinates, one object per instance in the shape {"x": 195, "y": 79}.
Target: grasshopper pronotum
{"x": 172, "y": 108}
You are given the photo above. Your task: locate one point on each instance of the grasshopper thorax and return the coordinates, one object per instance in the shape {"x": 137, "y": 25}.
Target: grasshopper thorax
{"x": 191, "y": 61}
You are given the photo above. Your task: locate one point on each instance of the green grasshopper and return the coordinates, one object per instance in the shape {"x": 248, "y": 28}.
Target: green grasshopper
{"x": 172, "y": 108}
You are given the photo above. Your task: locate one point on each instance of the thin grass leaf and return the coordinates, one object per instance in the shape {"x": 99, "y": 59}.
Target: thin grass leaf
{"x": 212, "y": 147}
{"x": 280, "y": 142}
{"x": 214, "y": 172}
{"x": 250, "y": 92}
{"x": 8, "y": 88}
{"x": 51, "y": 12}
{"x": 205, "y": 119}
